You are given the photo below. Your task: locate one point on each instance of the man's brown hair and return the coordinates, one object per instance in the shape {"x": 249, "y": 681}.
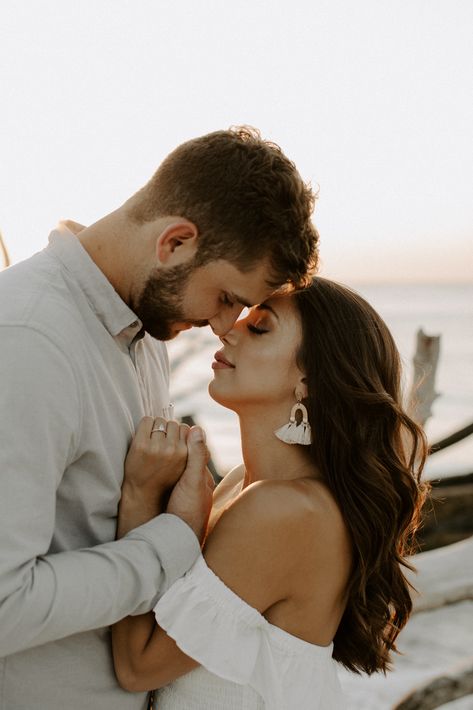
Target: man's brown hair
{"x": 245, "y": 197}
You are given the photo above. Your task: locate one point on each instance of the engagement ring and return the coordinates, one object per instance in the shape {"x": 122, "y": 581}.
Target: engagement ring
{"x": 161, "y": 428}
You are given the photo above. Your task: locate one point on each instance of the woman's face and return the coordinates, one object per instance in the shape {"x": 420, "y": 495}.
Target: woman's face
{"x": 257, "y": 364}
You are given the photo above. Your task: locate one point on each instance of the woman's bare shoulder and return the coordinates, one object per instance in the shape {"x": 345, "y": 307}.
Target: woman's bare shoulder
{"x": 284, "y": 511}
{"x": 294, "y": 498}
{"x": 250, "y": 546}
{"x": 267, "y": 536}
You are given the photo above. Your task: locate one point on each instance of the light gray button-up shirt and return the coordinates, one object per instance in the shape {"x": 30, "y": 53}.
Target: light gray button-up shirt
{"x": 75, "y": 379}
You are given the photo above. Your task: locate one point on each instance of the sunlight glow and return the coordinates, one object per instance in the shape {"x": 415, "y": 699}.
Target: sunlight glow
{"x": 371, "y": 100}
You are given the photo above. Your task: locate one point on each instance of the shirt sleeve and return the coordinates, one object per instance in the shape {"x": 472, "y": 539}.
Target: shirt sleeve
{"x": 44, "y": 597}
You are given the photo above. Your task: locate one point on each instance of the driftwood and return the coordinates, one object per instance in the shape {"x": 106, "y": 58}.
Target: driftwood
{"x": 4, "y": 253}
{"x": 423, "y": 394}
{"x": 443, "y": 576}
{"x": 452, "y": 439}
{"x": 448, "y": 514}
{"x": 456, "y": 682}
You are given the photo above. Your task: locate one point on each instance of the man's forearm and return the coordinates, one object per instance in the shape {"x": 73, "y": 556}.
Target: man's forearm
{"x": 72, "y": 592}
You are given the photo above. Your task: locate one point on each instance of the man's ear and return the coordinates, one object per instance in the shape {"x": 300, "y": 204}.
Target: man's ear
{"x": 177, "y": 242}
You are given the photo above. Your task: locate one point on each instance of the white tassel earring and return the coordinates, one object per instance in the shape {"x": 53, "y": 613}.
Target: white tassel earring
{"x": 296, "y": 432}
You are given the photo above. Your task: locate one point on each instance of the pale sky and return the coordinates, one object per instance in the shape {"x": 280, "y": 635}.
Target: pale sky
{"x": 372, "y": 99}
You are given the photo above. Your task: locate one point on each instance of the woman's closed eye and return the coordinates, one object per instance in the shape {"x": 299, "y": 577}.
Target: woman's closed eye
{"x": 254, "y": 329}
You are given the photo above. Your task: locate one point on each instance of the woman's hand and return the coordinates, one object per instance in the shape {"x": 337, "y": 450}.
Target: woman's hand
{"x": 191, "y": 498}
{"x": 157, "y": 456}
{"x": 155, "y": 461}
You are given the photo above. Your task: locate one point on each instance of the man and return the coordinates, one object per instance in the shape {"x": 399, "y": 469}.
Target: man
{"x": 223, "y": 223}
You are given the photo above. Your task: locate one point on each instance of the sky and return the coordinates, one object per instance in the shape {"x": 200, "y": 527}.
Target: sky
{"x": 373, "y": 100}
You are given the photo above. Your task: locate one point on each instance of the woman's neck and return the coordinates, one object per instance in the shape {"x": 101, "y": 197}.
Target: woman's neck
{"x": 266, "y": 457}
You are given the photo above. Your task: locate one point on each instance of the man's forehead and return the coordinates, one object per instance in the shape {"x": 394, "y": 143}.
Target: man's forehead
{"x": 251, "y": 296}
{"x": 239, "y": 299}
{"x": 247, "y": 287}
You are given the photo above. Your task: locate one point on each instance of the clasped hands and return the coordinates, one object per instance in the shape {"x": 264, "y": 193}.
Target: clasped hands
{"x": 166, "y": 471}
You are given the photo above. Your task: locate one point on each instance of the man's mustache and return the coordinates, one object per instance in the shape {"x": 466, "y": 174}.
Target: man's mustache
{"x": 198, "y": 323}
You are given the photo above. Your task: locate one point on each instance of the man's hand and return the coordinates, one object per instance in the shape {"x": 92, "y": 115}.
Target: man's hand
{"x": 191, "y": 498}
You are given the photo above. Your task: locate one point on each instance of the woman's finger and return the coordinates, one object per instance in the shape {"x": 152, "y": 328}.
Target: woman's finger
{"x": 172, "y": 431}
{"x": 143, "y": 430}
{"x": 159, "y": 428}
{"x": 183, "y": 431}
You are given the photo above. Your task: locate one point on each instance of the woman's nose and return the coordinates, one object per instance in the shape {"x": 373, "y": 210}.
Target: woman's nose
{"x": 228, "y": 338}
{"x": 231, "y": 336}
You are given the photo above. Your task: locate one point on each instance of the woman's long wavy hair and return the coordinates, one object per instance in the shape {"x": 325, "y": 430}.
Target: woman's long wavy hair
{"x": 371, "y": 456}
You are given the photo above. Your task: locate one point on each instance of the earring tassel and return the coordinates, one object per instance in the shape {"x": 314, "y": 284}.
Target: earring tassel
{"x": 293, "y": 433}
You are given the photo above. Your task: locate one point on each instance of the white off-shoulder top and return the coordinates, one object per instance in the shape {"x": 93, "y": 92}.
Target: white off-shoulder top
{"x": 246, "y": 663}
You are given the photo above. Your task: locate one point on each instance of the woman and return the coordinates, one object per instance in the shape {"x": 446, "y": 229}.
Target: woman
{"x": 302, "y": 562}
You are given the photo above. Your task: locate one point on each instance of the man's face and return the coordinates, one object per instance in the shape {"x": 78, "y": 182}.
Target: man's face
{"x": 183, "y": 296}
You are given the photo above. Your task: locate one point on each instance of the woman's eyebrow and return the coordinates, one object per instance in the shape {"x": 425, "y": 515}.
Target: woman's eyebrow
{"x": 266, "y": 307}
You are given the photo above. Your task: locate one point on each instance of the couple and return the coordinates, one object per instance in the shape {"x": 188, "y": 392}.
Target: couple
{"x": 301, "y": 555}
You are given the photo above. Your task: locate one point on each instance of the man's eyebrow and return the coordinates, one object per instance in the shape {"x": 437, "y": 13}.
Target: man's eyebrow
{"x": 266, "y": 307}
{"x": 238, "y": 299}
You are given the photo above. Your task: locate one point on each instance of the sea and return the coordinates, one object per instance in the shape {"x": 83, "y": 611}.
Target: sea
{"x": 439, "y": 309}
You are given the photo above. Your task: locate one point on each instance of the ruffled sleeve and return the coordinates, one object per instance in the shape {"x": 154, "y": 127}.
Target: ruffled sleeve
{"x": 232, "y": 640}
{"x": 214, "y": 626}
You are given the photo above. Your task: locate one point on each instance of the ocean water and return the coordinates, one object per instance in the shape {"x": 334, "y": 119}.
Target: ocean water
{"x": 445, "y": 310}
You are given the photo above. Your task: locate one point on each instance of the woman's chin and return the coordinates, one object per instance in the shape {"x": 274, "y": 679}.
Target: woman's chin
{"x": 220, "y": 397}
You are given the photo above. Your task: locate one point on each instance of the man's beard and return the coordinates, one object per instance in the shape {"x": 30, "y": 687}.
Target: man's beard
{"x": 160, "y": 303}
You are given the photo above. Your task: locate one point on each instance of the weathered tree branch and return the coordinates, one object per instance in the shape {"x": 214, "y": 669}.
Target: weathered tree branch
{"x": 456, "y": 682}
{"x": 447, "y": 516}
{"x": 452, "y": 438}
{"x": 4, "y": 253}
{"x": 443, "y": 576}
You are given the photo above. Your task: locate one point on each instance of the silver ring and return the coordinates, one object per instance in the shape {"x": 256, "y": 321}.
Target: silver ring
{"x": 161, "y": 428}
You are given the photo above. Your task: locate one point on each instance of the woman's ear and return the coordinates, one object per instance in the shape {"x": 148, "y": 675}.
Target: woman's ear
{"x": 301, "y": 388}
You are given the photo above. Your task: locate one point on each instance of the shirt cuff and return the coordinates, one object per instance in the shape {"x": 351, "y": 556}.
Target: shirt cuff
{"x": 174, "y": 542}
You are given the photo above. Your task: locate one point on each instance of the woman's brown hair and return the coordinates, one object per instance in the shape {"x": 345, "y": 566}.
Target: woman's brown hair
{"x": 371, "y": 455}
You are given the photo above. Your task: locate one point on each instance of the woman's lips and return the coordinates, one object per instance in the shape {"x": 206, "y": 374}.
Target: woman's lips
{"x": 221, "y": 363}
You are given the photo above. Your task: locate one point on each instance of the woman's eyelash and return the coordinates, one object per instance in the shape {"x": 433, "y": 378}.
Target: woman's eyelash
{"x": 254, "y": 329}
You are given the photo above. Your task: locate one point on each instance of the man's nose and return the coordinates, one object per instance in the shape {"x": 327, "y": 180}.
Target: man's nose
{"x": 223, "y": 322}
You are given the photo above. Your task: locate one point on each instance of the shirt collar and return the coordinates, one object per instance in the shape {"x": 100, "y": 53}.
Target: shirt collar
{"x": 108, "y": 306}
